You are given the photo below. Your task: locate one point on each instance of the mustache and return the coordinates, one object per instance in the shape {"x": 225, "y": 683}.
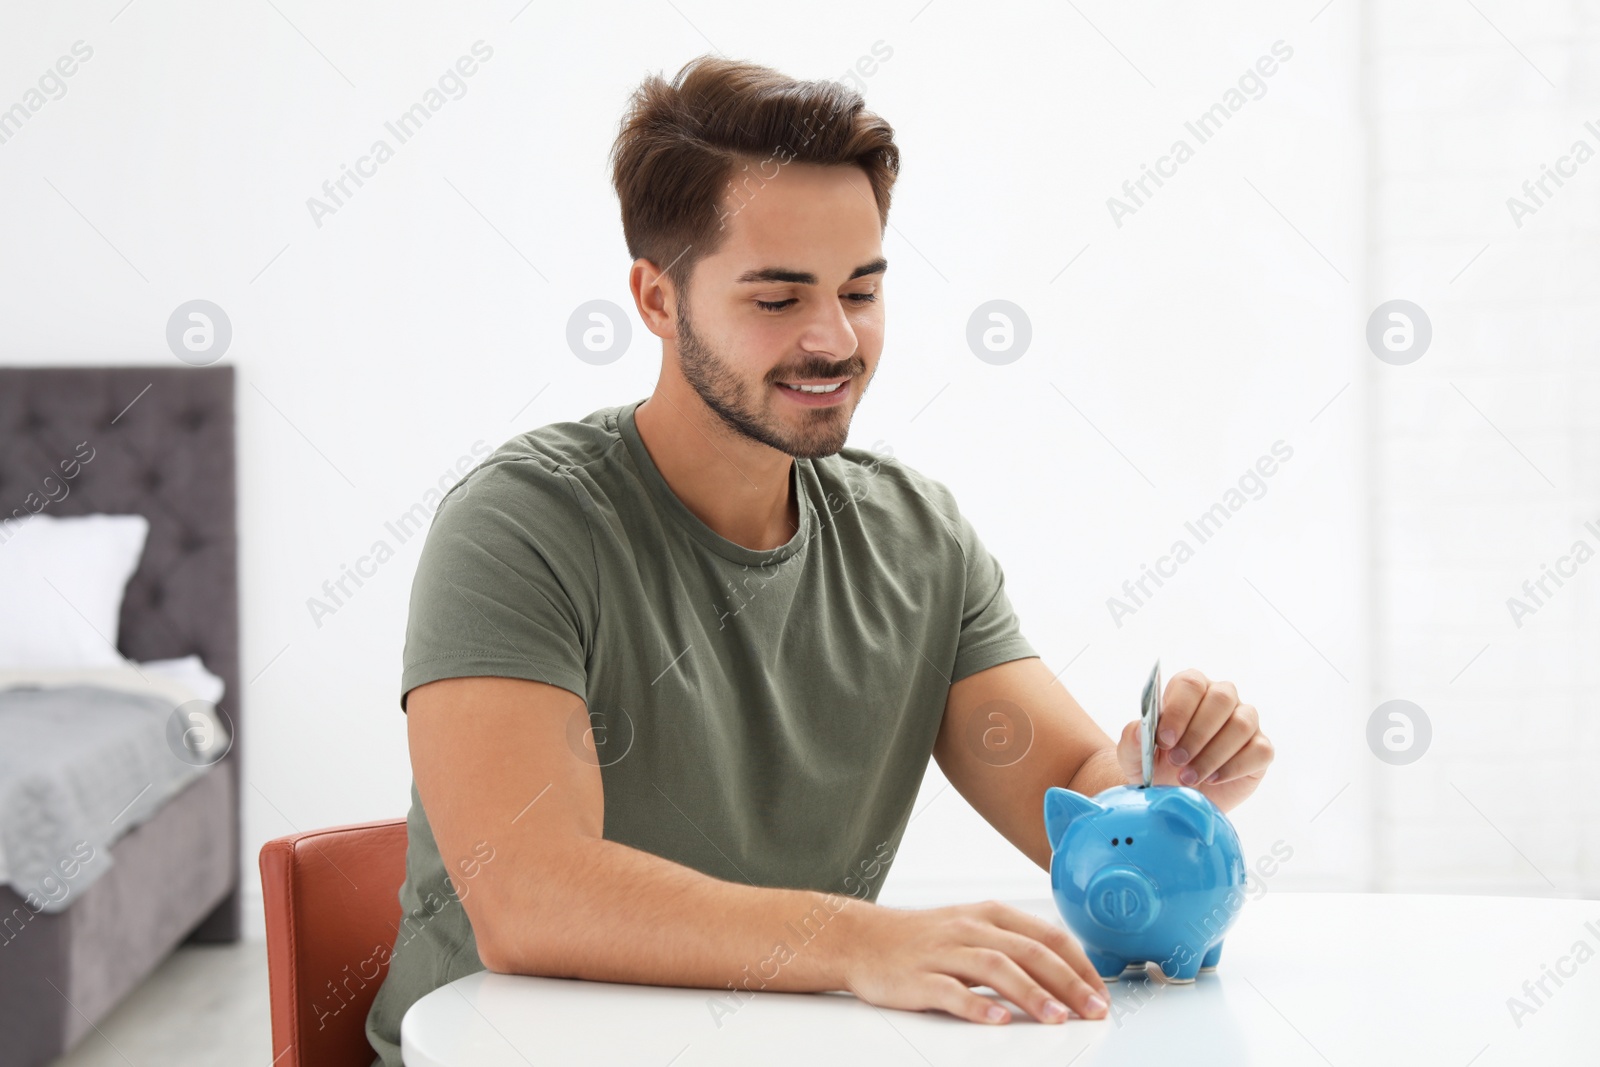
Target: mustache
{"x": 851, "y": 367}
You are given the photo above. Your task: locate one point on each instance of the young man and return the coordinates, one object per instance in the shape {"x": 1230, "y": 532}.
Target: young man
{"x": 673, "y": 672}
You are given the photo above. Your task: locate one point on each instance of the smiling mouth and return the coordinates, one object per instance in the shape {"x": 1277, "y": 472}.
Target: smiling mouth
{"x": 815, "y": 388}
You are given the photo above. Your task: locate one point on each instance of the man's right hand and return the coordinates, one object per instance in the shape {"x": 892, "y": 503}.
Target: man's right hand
{"x": 924, "y": 959}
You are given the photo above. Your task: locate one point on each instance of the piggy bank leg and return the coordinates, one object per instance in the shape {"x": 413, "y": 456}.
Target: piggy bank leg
{"x": 1181, "y": 967}
{"x": 1209, "y": 963}
{"x": 1106, "y": 966}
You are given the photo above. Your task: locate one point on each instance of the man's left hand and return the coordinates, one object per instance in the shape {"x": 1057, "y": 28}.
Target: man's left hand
{"x": 1206, "y": 739}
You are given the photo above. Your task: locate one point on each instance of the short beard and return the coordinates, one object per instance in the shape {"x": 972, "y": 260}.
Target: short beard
{"x": 723, "y": 392}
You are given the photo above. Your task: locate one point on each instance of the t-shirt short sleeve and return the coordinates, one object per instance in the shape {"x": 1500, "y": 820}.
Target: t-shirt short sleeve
{"x": 505, "y": 585}
{"x": 991, "y": 633}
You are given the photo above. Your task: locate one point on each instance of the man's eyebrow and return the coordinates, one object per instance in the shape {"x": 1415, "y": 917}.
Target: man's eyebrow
{"x": 804, "y": 277}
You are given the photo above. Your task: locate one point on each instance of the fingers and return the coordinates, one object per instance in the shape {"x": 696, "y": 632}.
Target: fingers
{"x": 1213, "y": 712}
{"x": 952, "y": 995}
{"x": 1036, "y": 977}
{"x": 998, "y": 971}
{"x": 1056, "y": 939}
{"x": 1250, "y": 761}
{"x": 1213, "y": 739}
{"x": 1178, "y": 705}
{"x": 1216, "y": 704}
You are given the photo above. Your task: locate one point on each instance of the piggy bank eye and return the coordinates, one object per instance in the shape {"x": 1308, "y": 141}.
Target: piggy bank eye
{"x": 1113, "y": 840}
{"x": 1130, "y": 840}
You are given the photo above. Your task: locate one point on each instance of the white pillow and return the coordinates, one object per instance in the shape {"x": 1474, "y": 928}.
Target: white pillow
{"x": 61, "y": 587}
{"x": 174, "y": 680}
{"x": 190, "y": 672}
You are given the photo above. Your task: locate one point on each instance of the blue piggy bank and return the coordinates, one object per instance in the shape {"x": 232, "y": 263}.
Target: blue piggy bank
{"x": 1145, "y": 875}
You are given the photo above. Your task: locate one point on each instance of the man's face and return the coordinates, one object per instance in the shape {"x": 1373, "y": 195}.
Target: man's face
{"x": 794, "y": 296}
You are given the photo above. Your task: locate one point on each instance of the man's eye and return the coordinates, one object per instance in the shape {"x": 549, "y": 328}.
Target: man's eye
{"x": 779, "y": 305}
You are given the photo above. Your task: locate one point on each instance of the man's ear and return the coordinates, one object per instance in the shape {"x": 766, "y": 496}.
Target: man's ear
{"x": 655, "y": 298}
{"x": 1061, "y": 807}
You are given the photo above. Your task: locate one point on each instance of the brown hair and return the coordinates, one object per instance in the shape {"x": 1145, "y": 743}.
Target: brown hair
{"x": 680, "y": 144}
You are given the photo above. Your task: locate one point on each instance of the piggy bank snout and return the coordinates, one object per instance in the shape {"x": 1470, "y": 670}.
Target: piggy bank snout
{"x": 1123, "y": 899}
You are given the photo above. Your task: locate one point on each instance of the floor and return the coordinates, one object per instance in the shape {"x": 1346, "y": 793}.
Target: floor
{"x": 206, "y": 1005}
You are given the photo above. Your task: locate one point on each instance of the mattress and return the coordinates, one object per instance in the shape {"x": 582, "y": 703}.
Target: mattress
{"x": 89, "y": 756}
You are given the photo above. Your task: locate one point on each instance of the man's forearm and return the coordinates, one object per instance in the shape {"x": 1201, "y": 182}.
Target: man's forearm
{"x": 618, "y": 914}
{"x": 1098, "y": 771}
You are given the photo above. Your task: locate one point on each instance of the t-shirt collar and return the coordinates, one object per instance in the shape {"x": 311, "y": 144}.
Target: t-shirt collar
{"x": 668, "y": 501}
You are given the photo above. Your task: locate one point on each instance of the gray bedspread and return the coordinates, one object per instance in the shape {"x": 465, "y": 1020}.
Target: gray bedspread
{"x": 80, "y": 766}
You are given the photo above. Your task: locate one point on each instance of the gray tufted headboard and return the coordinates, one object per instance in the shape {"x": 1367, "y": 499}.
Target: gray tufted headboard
{"x": 163, "y": 447}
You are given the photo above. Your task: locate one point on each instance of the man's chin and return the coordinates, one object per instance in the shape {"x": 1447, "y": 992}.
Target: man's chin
{"x": 816, "y": 453}
{"x": 816, "y": 434}
{"x": 817, "y": 448}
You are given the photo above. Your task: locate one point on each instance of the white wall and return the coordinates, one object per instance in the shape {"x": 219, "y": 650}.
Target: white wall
{"x": 1169, "y": 353}
{"x": 1484, "y": 470}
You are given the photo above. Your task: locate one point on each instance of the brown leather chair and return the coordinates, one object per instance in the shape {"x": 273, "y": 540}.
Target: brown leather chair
{"x": 333, "y": 909}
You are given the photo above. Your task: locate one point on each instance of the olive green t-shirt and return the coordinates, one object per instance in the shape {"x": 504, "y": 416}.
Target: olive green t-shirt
{"x": 760, "y": 716}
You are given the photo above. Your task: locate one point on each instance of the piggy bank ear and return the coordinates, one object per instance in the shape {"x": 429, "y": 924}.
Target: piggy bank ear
{"x": 1061, "y": 806}
{"x": 1194, "y": 811}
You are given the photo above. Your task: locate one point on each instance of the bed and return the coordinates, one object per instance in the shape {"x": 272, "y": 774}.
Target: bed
{"x": 163, "y": 440}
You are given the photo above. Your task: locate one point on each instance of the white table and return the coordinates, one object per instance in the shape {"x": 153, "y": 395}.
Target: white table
{"x": 1350, "y": 980}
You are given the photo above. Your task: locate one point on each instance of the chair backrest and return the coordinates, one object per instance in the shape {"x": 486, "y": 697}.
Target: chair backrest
{"x": 333, "y": 909}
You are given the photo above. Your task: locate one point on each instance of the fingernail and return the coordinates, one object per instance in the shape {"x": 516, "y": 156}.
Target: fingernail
{"x": 1178, "y": 755}
{"x": 1054, "y": 1009}
{"x": 995, "y": 1013}
{"x": 1167, "y": 737}
{"x": 1212, "y": 777}
{"x": 1187, "y": 776}
{"x": 1095, "y": 1005}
